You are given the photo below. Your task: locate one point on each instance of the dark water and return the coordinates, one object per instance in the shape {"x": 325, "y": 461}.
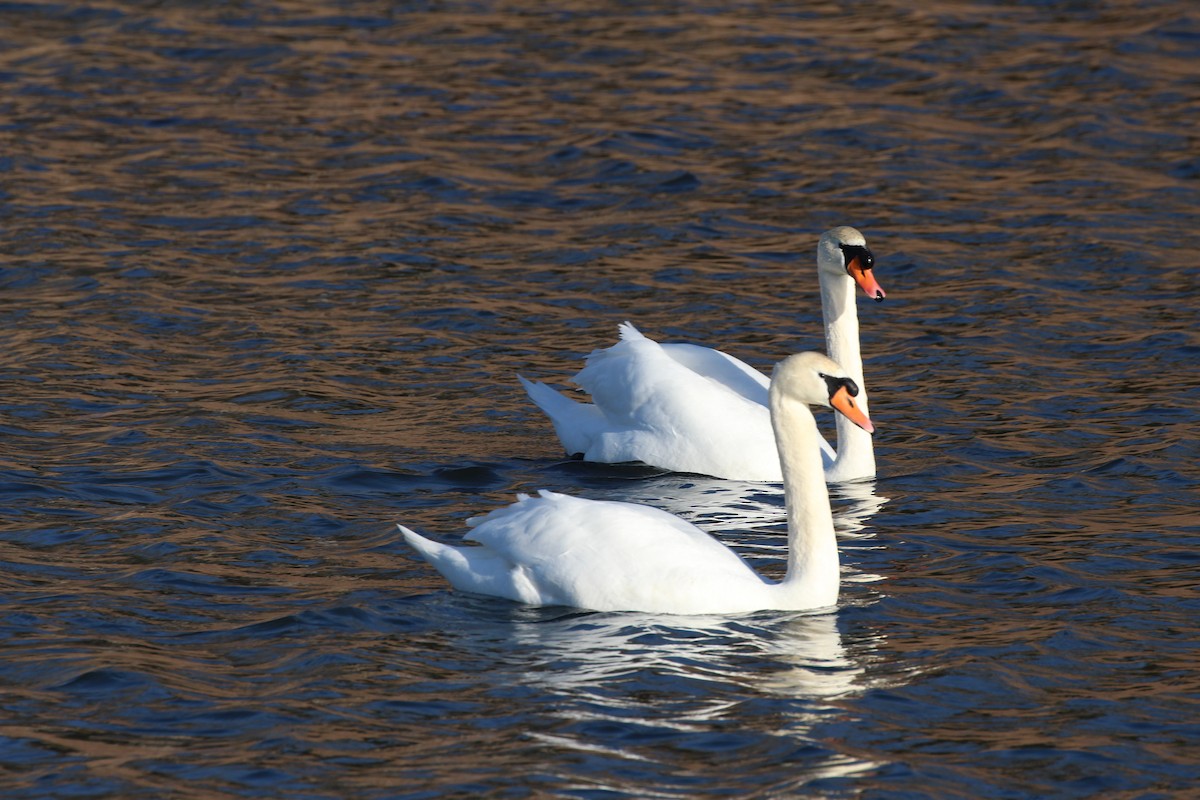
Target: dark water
{"x": 267, "y": 272}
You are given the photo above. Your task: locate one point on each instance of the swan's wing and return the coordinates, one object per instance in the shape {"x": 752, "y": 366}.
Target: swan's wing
{"x": 734, "y": 373}
{"x": 662, "y": 412}
{"x": 610, "y": 556}
{"x": 722, "y": 368}
{"x": 681, "y": 407}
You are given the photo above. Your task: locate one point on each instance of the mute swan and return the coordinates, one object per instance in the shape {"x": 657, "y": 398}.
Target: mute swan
{"x": 602, "y": 555}
{"x": 689, "y": 408}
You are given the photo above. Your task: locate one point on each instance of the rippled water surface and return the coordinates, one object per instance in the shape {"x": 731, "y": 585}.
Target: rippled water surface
{"x": 268, "y": 271}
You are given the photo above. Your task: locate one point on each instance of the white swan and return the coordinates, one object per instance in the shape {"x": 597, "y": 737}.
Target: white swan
{"x": 603, "y": 555}
{"x": 689, "y": 408}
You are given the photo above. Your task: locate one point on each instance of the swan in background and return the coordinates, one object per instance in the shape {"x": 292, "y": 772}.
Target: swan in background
{"x": 557, "y": 550}
{"x": 689, "y": 408}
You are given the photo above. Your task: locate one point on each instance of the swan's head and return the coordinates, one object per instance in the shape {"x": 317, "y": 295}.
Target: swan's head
{"x": 843, "y": 251}
{"x": 817, "y": 380}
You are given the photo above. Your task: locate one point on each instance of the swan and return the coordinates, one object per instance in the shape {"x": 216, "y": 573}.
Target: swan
{"x": 694, "y": 409}
{"x": 603, "y": 555}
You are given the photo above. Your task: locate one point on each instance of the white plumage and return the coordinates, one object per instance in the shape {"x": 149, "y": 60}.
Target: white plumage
{"x": 689, "y": 408}
{"x": 555, "y": 549}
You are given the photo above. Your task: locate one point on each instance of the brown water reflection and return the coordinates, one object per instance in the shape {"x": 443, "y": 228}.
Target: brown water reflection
{"x": 268, "y": 272}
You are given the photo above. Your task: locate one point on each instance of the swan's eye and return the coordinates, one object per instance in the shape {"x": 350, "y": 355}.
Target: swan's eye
{"x": 852, "y": 251}
{"x": 834, "y": 383}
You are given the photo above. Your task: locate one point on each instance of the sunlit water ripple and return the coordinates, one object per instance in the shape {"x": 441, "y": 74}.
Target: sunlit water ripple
{"x": 269, "y": 271}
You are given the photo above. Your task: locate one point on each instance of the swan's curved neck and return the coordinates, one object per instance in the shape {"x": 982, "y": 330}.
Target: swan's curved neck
{"x": 855, "y": 450}
{"x": 813, "y": 573}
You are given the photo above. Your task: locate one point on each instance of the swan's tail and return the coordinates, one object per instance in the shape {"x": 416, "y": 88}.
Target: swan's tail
{"x": 576, "y": 424}
{"x": 455, "y": 563}
{"x": 469, "y": 569}
{"x": 434, "y": 552}
{"x": 628, "y": 332}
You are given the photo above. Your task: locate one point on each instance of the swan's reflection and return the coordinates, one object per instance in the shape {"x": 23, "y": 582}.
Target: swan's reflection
{"x": 719, "y": 505}
{"x": 740, "y": 513}
{"x": 795, "y": 654}
{"x": 689, "y": 676}
{"x": 710, "y": 503}
{"x": 854, "y": 503}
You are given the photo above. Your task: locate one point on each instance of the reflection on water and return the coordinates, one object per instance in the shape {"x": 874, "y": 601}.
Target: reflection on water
{"x": 268, "y": 272}
{"x": 594, "y": 649}
{"x": 692, "y": 678}
{"x": 720, "y": 505}
{"x": 751, "y": 517}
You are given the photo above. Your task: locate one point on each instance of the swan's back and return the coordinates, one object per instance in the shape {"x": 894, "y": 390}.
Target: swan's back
{"x": 612, "y": 556}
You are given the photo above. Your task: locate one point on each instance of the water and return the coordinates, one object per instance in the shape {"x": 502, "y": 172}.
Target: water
{"x": 268, "y": 271}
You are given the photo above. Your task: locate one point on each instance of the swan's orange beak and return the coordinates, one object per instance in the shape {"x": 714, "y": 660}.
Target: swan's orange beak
{"x": 843, "y": 402}
{"x": 865, "y": 278}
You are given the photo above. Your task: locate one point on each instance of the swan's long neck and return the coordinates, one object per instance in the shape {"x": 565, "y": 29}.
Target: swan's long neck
{"x": 813, "y": 573}
{"x": 855, "y": 451}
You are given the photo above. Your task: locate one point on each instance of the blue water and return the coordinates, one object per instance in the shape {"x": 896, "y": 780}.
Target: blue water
{"x": 268, "y": 271}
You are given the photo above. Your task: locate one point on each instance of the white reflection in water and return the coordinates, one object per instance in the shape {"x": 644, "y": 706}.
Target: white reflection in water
{"x": 710, "y": 503}
{"x": 720, "y": 505}
{"x": 798, "y": 655}
{"x": 854, "y": 505}
{"x": 695, "y": 675}
{"x": 740, "y": 512}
